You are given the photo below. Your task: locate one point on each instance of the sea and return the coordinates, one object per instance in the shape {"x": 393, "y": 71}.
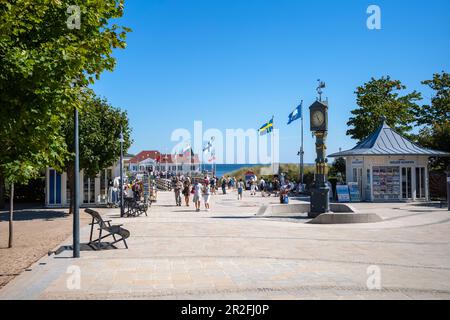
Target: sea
{"x": 223, "y": 169}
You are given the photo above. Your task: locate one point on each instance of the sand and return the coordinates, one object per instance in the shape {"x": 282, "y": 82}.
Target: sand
{"x": 36, "y": 231}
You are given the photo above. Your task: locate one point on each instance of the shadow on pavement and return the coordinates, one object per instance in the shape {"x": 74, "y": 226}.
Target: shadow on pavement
{"x": 26, "y": 215}
{"x": 83, "y": 247}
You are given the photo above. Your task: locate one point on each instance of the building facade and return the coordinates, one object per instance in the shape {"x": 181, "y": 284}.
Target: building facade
{"x": 93, "y": 190}
{"x": 388, "y": 167}
{"x": 154, "y": 161}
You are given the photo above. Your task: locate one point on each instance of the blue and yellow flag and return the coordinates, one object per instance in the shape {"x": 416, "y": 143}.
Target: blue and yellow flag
{"x": 266, "y": 128}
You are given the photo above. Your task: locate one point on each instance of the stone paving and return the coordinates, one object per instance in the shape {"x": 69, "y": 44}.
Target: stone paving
{"x": 234, "y": 253}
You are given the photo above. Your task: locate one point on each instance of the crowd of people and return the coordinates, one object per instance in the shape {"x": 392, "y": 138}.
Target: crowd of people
{"x": 201, "y": 189}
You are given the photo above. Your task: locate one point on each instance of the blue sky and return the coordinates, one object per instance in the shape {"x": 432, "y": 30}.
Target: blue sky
{"x": 235, "y": 63}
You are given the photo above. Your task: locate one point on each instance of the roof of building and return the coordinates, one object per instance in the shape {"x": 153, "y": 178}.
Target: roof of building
{"x": 144, "y": 155}
{"x": 163, "y": 158}
{"x": 385, "y": 141}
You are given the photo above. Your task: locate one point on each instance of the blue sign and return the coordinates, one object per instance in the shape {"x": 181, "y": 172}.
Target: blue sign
{"x": 355, "y": 194}
{"x": 342, "y": 193}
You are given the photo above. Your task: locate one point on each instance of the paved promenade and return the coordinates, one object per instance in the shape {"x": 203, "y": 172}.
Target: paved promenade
{"x": 234, "y": 253}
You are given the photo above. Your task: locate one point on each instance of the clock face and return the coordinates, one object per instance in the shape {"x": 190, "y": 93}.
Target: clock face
{"x": 318, "y": 118}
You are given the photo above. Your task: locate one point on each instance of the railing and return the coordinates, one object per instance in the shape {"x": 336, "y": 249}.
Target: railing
{"x": 163, "y": 184}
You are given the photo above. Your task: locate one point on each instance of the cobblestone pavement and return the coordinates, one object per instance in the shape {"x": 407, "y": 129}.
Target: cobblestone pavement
{"x": 234, "y": 253}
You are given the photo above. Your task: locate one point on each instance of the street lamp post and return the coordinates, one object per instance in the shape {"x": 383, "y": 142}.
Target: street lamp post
{"x": 122, "y": 209}
{"x": 76, "y": 190}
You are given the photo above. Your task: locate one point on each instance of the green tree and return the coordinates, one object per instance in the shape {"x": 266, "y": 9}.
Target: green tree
{"x": 382, "y": 98}
{"x": 435, "y": 119}
{"x": 338, "y": 166}
{"x": 439, "y": 110}
{"x": 40, "y": 58}
{"x": 99, "y": 125}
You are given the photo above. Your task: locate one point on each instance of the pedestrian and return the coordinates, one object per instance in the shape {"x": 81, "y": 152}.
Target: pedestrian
{"x": 207, "y": 195}
{"x": 178, "y": 186}
{"x": 197, "y": 194}
{"x": 224, "y": 185}
{"x": 213, "y": 185}
{"x": 253, "y": 187}
{"x": 187, "y": 191}
{"x": 262, "y": 187}
{"x": 240, "y": 188}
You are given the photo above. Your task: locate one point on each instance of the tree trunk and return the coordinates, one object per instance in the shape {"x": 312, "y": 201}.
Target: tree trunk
{"x": 2, "y": 192}
{"x": 11, "y": 216}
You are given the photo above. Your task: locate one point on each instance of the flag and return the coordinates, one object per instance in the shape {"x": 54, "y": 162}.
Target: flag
{"x": 296, "y": 114}
{"x": 187, "y": 151}
{"x": 212, "y": 159}
{"x": 208, "y": 147}
{"x": 266, "y": 128}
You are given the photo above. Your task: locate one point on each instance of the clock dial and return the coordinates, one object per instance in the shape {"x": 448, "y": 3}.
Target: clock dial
{"x": 318, "y": 118}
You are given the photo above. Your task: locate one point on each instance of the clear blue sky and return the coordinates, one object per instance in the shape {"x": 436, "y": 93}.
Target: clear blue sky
{"x": 235, "y": 63}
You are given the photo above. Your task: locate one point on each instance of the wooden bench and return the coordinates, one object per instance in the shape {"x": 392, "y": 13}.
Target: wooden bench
{"x": 115, "y": 231}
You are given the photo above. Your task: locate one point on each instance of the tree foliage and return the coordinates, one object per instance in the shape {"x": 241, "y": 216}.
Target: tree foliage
{"x": 439, "y": 110}
{"x": 99, "y": 133}
{"x": 382, "y": 98}
{"x": 40, "y": 57}
{"x": 436, "y": 119}
{"x": 338, "y": 166}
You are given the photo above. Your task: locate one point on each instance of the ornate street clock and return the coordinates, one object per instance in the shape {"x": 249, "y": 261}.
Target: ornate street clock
{"x": 319, "y": 116}
{"x": 319, "y": 126}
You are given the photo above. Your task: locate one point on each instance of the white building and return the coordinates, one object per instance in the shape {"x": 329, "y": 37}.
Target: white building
{"x": 389, "y": 167}
{"x": 154, "y": 161}
{"x": 93, "y": 190}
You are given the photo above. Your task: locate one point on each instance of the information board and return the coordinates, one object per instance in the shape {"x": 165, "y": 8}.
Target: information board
{"x": 355, "y": 193}
{"x": 342, "y": 193}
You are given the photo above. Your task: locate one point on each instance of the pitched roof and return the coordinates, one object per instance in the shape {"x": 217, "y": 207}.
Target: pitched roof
{"x": 144, "y": 155}
{"x": 385, "y": 141}
{"x": 163, "y": 158}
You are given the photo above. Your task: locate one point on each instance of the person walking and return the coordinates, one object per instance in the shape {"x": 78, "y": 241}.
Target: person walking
{"x": 197, "y": 194}
{"x": 178, "y": 186}
{"x": 187, "y": 190}
{"x": 253, "y": 187}
{"x": 240, "y": 188}
{"x": 262, "y": 187}
{"x": 207, "y": 195}
{"x": 224, "y": 185}
{"x": 213, "y": 185}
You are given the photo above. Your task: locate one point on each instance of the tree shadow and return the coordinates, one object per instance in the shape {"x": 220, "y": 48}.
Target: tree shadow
{"x": 29, "y": 215}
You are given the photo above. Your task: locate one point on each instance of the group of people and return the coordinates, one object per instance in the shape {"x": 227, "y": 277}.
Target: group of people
{"x": 198, "y": 188}
{"x": 132, "y": 190}
{"x": 201, "y": 189}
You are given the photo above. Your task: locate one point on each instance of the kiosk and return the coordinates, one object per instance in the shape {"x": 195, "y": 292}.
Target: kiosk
{"x": 388, "y": 167}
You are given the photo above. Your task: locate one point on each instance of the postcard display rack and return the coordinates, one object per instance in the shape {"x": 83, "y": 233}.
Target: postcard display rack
{"x": 386, "y": 183}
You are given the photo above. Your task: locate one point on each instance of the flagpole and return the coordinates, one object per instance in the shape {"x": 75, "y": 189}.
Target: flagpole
{"x": 301, "y": 149}
{"x": 273, "y": 144}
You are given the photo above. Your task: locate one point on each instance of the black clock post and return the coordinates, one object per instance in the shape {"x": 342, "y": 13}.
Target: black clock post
{"x": 320, "y": 202}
